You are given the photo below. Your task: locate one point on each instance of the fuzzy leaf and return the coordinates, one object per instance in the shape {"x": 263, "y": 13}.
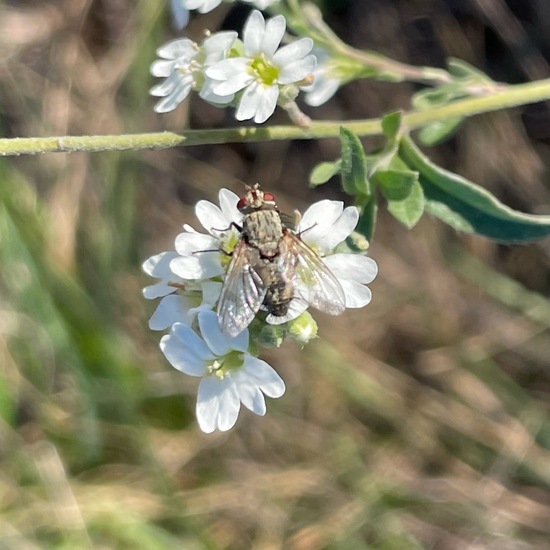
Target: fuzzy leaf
{"x": 439, "y": 131}
{"x": 403, "y": 193}
{"x": 323, "y": 172}
{"x": 468, "y": 206}
{"x": 353, "y": 164}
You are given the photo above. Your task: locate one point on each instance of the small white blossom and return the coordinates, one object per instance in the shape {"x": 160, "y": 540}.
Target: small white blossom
{"x": 158, "y": 266}
{"x": 323, "y": 227}
{"x": 202, "y": 6}
{"x": 201, "y": 256}
{"x": 182, "y": 65}
{"x": 265, "y": 71}
{"x": 325, "y": 80}
{"x": 230, "y": 376}
{"x": 181, "y": 299}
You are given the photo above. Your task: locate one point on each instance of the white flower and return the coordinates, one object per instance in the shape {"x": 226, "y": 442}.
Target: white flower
{"x": 202, "y": 6}
{"x": 199, "y": 256}
{"x": 159, "y": 266}
{"x": 181, "y": 299}
{"x": 323, "y": 227}
{"x": 182, "y": 64}
{"x": 230, "y": 376}
{"x": 186, "y": 275}
{"x": 325, "y": 80}
{"x": 184, "y": 306}
{"x": 264, "y": 71}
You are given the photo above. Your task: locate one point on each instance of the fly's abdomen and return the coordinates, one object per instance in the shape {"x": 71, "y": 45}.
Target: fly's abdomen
{"x": 279, "y": 290}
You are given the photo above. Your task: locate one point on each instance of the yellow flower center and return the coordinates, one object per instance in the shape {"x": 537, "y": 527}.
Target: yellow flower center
{"x": 223, "y": 366}
{"x": 264, "y": 70}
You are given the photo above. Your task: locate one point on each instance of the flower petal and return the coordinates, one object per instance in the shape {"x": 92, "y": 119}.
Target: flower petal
{"x": 274, "y": 32}
{"x": 203, "y": 265}
{"x": 160, "y": 289}
{"x": 228, "y": 204}
{"x": 265, "y": 376}
{"x": 267, "y": 103}
{"x": 317, "y": 221}
{"x": 297, "y": 70}
{"x": 219, "y": 343}
{"x": 217, "y": 45}
{"x": 321, "y": 91}
{"x": 228, "y": 68}
{"x": 253, "y": 33}
{"x": 211, "y": 217}
{"x": 357, "y": 295}
{"x": 234, "y": 84}
{"x": 207, "y": 93}
{"x": 354, "y": 267}
{"x": 172, "y": 309}
{"x": 183, "y": 48}
{"x": 339, "y": 230}
{"x": 183, "y": 356}
{"x": 211, "y": 291}
{"x": 218, "y": 404}
{"x": 159, "y": 264}
{"x": 170, "y": 102}
{"x": 293, "y": 51}
{"x": 188, "y": 244}
{"x": 249, "y": 394}
{"x": 163, "y": 68}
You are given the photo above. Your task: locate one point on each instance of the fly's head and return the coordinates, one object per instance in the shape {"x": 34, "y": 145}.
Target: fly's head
{"x": 255, "y": 199}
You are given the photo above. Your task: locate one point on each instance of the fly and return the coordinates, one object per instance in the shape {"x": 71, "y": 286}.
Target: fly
{"x": 270, "y": 267}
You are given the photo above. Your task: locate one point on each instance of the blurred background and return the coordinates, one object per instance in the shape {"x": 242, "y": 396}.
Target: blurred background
{"x": 421, "y": 421}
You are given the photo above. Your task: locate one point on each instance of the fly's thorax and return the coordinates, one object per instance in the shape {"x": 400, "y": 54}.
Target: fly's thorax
{"x": 263, "y": 230}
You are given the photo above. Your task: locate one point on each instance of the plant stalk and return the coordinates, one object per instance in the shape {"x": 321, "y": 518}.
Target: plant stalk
{"x": 501, "y": 98}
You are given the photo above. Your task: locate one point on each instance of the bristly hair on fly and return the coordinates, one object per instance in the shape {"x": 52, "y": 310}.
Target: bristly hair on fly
{"x": 271, "y": 268}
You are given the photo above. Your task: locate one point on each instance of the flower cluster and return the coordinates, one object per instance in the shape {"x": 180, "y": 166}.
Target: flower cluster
{"x": 254, "y": 75}
{"x": 190, "y": 281}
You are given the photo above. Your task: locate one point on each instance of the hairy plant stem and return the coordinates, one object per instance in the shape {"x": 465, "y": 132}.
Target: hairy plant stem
{"x": 501, "y": 98}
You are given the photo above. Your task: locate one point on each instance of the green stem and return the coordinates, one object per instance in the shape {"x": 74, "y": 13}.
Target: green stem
{"x": 501, "y": 98}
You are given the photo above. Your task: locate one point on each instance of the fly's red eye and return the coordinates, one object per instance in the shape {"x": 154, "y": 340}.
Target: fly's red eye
{"x": 269, "y": 197}
{"x": 241, "y": 204}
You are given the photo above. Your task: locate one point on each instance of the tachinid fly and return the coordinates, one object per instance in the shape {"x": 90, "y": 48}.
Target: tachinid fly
{"x": 270, "y": 267}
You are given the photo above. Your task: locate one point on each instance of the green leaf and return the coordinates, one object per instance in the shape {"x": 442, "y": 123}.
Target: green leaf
{"x": 396, "y": 185}
{"x": 391, "y": 124}
{"x": 464, "y": 71}
{"x": 469, "y": 207}
{"x": 367, "y": 219}
{"x": 404, "y": 194}
{"x": 353, "y": 164}
{"x": 439, "y": 131}
{"x": 409, "y": 210}
{"x": 436, "y": 97}
{"x": 323, "y": 172}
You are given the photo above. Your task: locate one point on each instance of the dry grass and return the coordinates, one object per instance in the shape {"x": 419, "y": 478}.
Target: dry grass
{"x": 419, "y": 422}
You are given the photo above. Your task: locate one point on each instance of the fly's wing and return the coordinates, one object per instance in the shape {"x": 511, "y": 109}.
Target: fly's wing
{"x": 242, "y": 293}
{"x": 314, "y": 282}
